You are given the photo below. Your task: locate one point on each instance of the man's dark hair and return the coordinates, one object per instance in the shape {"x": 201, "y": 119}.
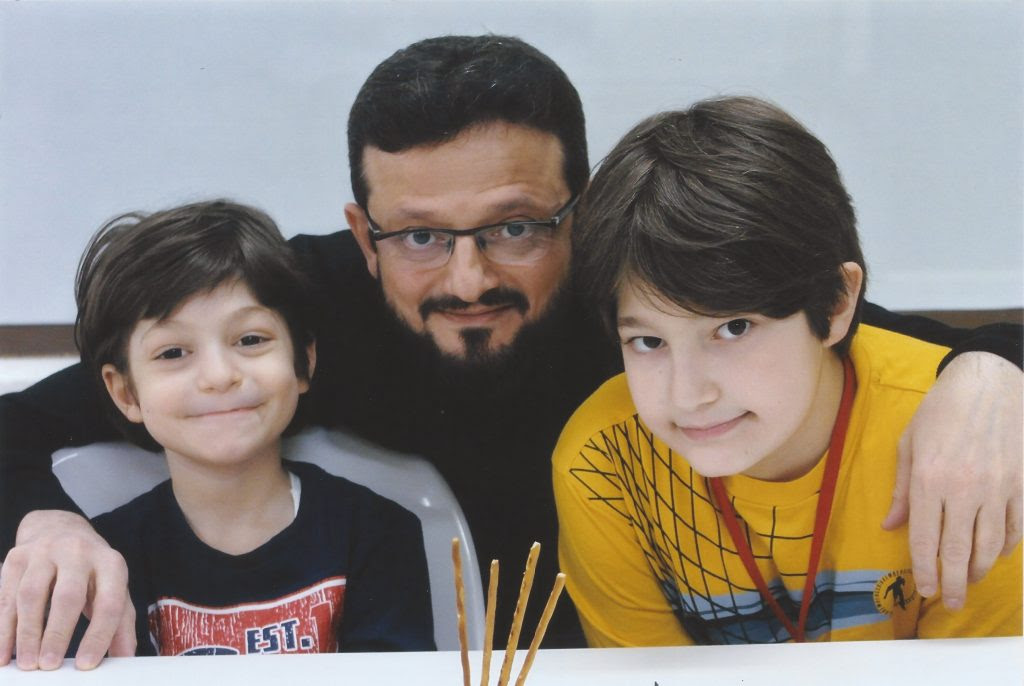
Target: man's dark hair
{"x": 435, "y": 89}
{"x": 140, "y": 266}
{"x": 728, "y": 207}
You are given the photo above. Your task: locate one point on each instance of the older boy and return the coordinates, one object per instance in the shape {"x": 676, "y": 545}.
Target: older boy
{"x": 195, "y": 321}
{"x": 728, "y": 487}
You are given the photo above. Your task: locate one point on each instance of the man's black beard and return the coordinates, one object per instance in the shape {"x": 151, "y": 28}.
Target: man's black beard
{"x": 532, "y": 345}
{"x": 476, "y": 340}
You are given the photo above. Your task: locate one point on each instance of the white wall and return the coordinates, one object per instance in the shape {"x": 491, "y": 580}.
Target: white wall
{"x": 109, "y": 107}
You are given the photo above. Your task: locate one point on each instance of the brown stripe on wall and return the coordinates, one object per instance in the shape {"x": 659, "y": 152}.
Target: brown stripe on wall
{"x": 968, "y": 319}
{"x": 58, "y": 339}
{"x": 37, "y": 340}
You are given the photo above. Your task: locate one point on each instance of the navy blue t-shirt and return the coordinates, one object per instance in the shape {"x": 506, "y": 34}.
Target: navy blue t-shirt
{"x": 348, "y": 574}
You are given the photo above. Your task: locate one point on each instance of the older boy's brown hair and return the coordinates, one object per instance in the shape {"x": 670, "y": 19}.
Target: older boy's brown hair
{"x": 728, "y": 207}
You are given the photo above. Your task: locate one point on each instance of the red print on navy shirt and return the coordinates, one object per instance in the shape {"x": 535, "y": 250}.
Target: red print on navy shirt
{"x": 305, "y": 621}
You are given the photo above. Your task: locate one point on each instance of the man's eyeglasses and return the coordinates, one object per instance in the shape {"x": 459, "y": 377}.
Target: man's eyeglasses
{"x": 509, "y": 243}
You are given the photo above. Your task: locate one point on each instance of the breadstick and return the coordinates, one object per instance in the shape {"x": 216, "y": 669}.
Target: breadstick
{"x": 517, "y": 618}
{"x": 542, "y": 627}
{"x": 460, "y": 608}
{"x": 492, "y": 597}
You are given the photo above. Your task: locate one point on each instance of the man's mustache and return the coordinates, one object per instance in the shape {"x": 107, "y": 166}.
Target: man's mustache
{"x": 496, "y": 297}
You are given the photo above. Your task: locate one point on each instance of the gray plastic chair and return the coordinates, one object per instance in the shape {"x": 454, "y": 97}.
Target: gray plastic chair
{"x": 103, "y": 476}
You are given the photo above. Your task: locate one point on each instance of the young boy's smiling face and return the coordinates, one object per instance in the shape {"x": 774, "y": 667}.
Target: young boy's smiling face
{"x": 214, "y": 382}
{"x": 743, "y": 394}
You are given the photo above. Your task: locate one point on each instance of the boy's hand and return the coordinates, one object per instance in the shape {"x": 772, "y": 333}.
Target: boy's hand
{"x": 57, "y": 554}
{"x": 961, "y": 467}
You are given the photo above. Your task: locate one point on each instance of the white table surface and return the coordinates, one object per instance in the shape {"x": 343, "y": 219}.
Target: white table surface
{"x": 978, "y": 662}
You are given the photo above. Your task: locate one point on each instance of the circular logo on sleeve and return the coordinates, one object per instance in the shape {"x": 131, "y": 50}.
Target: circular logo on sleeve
{"x": 895, "y": 590}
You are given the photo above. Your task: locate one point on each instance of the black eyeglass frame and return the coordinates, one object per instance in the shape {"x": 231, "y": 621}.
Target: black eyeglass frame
{"x": 378, "y": 234}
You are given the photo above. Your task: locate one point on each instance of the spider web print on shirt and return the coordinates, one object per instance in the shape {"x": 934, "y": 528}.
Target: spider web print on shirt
{"x": 688, "y": 548}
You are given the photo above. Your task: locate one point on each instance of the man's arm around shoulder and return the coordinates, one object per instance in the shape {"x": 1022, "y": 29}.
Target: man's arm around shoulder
{"x": 960, "y": 470}
{"x": 57, "y": 560}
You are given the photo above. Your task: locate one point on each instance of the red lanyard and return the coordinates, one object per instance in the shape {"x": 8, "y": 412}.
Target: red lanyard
{"x": 825, "y": 497}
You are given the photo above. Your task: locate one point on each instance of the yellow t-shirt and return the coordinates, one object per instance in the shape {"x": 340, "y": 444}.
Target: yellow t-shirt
{"x": 650, "y": 562}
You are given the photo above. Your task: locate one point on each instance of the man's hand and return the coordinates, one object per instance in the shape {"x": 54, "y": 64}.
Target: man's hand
{"x": 961, "y": 467}
{"x": 58, "y": 555}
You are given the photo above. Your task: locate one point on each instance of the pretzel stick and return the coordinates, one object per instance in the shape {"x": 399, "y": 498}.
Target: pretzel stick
{"x": 542, "y": 627}
{"x": 492, "y": 596}
{"x": 460, "y": 608}
{"x": 517, "y": 618}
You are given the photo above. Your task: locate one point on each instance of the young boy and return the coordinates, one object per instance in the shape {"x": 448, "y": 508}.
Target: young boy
{"x": 195, "y": 321}
{"x": 728, "y": 487}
